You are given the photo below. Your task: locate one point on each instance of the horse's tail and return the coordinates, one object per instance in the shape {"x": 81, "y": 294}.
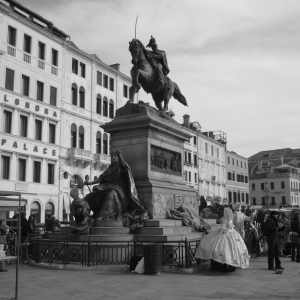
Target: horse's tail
{"x": 178, "y": 96}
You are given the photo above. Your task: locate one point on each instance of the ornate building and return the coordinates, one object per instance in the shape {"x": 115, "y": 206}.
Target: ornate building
{"x": 237, "y": 183}
{"x": 274, "y": 177}
{"x": 204, "y": 161}
{"x": 54, "y": 98}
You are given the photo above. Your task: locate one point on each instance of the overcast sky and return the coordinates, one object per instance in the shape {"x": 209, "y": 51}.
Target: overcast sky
{"x": 237, "y": 62}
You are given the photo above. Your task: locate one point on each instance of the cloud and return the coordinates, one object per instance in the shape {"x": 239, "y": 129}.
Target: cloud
{"x": 237, "y": 62}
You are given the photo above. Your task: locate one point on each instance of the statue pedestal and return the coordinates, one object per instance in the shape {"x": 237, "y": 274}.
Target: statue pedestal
{"x": 152, "y": 145}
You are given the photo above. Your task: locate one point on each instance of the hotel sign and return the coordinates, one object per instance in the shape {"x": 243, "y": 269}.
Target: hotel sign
{"x": 34, "y": 149}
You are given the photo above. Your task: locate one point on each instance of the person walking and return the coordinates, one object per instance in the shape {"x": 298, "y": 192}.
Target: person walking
{"x": 272, "y": 229}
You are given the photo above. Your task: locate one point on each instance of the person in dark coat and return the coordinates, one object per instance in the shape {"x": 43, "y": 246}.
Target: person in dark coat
{"x": 272, "y": 228}
{"x": 25, "y": 228}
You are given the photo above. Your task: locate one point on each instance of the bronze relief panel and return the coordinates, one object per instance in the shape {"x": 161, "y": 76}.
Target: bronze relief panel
{"x": 165, "y": 161}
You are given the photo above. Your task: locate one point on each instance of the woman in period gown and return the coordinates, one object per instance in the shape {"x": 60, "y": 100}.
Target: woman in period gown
{"x": 224, "y": 245}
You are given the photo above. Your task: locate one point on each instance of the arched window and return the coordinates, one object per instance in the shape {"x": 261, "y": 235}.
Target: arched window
{"x": 98, "y": 142}
{"x": 35, "y": 211}
{"x": 49, "y": 209}
{"x": 74, "y": 94}
{"x": 73, "y": 136}
{"x": 81, "y": 97}
{"x": 111, "y": 109}
{"x": 77, "y": 181}
{"x": 105, "y": 107}
{"x": 81, "y": 137}
{"x": 105, "y": 143}
{"x": 98, "y": 104}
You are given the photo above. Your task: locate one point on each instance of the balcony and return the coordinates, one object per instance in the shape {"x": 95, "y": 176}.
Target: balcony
{"x": 54, "y": 70}
{"x": 41, "y": 64}
{"x": 102, "y": 158}
{"x": 11, "y": 50}
{"x": 27, "y": 58}
{"x": 80, "y": 157}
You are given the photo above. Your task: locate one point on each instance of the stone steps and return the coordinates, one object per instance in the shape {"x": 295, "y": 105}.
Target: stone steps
{"x": 167, "y": 238}
{"x": 106, "y": 238}
{"x": 109, "y": 230}
{"x": 164, "y": 230}
{"x": 108, "y": 223}
{"x": 210, "y": 221}
{"x": 162, "y": 223}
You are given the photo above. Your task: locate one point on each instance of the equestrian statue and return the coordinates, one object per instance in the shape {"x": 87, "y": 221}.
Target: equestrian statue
{"x": 149, "y": 71}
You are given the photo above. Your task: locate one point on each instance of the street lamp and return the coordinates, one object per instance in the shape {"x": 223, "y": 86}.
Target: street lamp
{"x": 267, "y": 191}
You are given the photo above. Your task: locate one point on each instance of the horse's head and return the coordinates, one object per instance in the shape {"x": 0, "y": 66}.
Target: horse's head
{"x": 136, "y": 50}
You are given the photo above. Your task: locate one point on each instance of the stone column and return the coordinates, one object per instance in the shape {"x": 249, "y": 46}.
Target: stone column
{"x": 15, "y": 122}
{"x": 29, "y": 175}
{"x": 44, "y": 170}
{"x": 13, "y": 170}
{"x": 45, "y": 130}
{"x": 31, "y": 127}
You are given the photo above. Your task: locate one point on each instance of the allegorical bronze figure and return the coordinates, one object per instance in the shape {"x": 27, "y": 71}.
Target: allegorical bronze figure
{"x": 150, "y": 70}
{"x": 114, "y": 195}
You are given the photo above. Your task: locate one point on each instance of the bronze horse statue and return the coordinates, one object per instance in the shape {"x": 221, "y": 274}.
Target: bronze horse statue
{"x": 143, "y": 75}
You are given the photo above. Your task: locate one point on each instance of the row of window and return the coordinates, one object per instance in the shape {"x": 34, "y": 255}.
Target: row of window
{"x": 26, "y": 90}
{"x": 272, "y": 186}
{"x": 105, "y": 81}
{"x": 239, "y": 177}
{"x": 102, "y": 107}
{"x": 23, "y": 127}
{"x": 237, "y": 162}
{"x": 212, "y": 150}
{"x": 27, "y": 46}
{"x": 234, "y": 197}
{"x": 273, "y": 202}
{"x": 35, "y": 211}
{"x": 188, "y": 176}
{"x": 188, "y": 158}
{"x": 77, "y": 138}
{"x": 22, "y": 167}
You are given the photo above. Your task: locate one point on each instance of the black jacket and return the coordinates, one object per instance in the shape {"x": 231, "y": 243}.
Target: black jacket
{"x": 273, "y": 228}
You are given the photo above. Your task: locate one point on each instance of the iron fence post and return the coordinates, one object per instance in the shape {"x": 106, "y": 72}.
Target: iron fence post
{"x": 134, "y": 245}
{"x": 89, "y": 253}
{"x": 186, "y": 253}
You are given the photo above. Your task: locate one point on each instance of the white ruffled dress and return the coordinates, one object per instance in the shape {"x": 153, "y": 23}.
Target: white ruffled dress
{"x": 224, "y": 245}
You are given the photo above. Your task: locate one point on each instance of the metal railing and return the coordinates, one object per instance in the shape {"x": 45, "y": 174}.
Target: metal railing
{"x": 54, "y": 70}
{"x": 41, "y": 64}
{"x": 27, "y": 58}
{"x": 88, "y": 253}
{"x": 11, "y": 50}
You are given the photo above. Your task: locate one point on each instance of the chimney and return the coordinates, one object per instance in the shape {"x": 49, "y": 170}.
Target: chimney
{"x": 116, "y": 67}
{"x": 186, "y": 120}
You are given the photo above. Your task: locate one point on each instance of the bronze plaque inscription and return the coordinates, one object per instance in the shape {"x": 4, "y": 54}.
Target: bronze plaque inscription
{"x": 165, "y": 161}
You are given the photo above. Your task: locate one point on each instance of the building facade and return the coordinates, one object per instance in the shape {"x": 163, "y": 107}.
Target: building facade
{"x": 204, "y": 161}
{"x": 237, "y": 182}
{"x": 53, "y": 98}
{"x": 275, "y": 187}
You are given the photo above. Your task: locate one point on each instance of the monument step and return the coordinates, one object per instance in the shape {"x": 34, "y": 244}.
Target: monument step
{"x": 105, "y": 238}
{"x": 162, "y": 223}
{"x": 167, "y": 238}
{"x": 109, "y": 230}
{"x": 66, "y": 230}
{"x": 164, "y": 230}
{"x": 210, "y": 221}
{"x": 108, "y": 223}
{"x": 214, "y": 226}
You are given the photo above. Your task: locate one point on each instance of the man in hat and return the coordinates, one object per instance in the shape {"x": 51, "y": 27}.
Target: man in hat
{"x": 158, "y": 60}
{"x": 272, "y": 229}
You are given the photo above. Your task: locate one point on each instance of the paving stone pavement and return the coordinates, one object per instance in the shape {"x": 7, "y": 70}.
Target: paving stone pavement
{"x": 256, "y": 282}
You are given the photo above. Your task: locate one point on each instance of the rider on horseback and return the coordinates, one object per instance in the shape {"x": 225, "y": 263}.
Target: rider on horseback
{"x": 158, "y": 60}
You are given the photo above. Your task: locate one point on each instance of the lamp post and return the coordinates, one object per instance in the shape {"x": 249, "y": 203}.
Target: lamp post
{"x": 267, "y": 191}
